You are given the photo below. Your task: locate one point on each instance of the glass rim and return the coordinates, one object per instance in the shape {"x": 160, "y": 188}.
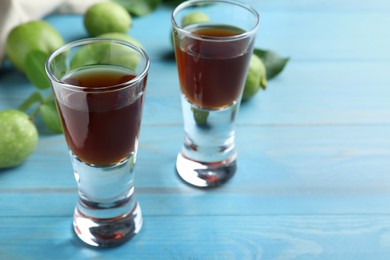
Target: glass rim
{"x": 86, "y": 41}
{"x": 191, "y": 3}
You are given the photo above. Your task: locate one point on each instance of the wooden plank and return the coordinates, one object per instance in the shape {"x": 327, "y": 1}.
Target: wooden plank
{"x": 284, "y": 155}
{"x": 289, "y": 34}
{"x": 300, "y": 170}
{"x": 321, "y": 6}
{"x": 309, "y": 96}
{"x": 209, "y": 237}
{"x": 313, "y": 149}
{"x": 330, "y": 35}
{"x": 306, "y": 93}
{"x": 239, "y": 201}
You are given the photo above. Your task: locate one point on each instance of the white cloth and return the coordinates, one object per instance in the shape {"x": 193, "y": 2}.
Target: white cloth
{"x": 15, "y": 12}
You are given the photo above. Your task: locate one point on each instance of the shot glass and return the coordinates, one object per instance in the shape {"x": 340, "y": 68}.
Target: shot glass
{"x": 99, "y": 88}
{"x": 213, "y": 45}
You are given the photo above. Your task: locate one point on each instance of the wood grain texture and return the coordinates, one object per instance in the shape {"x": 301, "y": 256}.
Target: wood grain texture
{"x": 300, "y": 170}
{"x": 210, "y": 237}
{"x": 313, "y": 176}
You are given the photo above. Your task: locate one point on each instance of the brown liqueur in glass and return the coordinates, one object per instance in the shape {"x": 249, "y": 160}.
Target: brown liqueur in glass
{"x": 104, "y": 130}
{"x": 212, "y": 73}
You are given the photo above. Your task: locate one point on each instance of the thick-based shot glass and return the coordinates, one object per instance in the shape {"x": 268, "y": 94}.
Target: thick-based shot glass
{"x": 213, "y": 45}
{"x": 99, "y": 88}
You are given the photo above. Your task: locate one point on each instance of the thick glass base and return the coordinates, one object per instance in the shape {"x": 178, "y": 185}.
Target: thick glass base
{"x": 107, "y": 232}
{"x": 107, "y": 213}
{"x": 208, "y": 156}
{"x": 205, "y": 174}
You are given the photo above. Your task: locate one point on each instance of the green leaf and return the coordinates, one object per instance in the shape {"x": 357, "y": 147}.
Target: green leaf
{"x": 50, "y": 116}
{"x": 274, "y": 63}
{"x": 35, "y": 68}
{"x": 58, "y": 65}
{"x": 35, "y": 97}
{"x": 139, "y": 7}
{"x": 173, "y": 2}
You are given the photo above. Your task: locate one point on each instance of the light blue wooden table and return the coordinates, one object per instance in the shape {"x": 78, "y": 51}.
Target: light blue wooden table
{"x": 314, "y": 151}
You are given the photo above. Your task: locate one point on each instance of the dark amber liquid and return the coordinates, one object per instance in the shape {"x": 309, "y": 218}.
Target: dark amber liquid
{"x": 212, "y": 73}
{"x": 101, "y": 129}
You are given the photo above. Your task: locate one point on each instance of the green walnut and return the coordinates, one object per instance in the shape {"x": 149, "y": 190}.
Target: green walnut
{"x": 18, "y": 138}
{"x": 255, "y": 79}
{"x": 120, "y": 36}
{"x": 106, "y": 17}
{"x": 105, "y": 52}
{"x": 28, "y": 37}
{"x": 194, "y": 17}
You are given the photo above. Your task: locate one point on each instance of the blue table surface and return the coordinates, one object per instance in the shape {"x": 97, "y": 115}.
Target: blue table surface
{"x": 313, "y": 179}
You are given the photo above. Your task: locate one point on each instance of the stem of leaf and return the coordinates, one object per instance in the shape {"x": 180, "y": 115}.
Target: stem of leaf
{"x": 36, "y": 110}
